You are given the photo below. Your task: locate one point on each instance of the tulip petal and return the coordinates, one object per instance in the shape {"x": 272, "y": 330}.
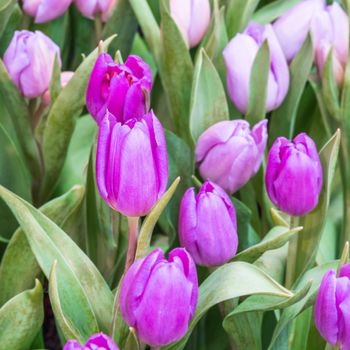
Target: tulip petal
{"x": 101, "y": 341}
{"x": 73, "y": 345}
{"x": 51, "y": 9}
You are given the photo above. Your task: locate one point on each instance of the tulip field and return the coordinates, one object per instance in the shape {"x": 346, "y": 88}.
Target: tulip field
{"x": 174, "y": 175}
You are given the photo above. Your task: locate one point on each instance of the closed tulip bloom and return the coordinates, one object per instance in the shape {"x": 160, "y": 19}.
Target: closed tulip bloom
{"x": 29, "y": 60}
{"x": 293, "y": 26}
{"x": 131, "y": 164}
{"x": 230, "y": 154}
{"x": 207, "y": 225}
{"x": 332, "y": 308}
{"x": 98, "y": 341}
{"x": 158, "y": 297}
{"x": 239, "y": 56}
{"x": 93, "y": 8}
{"x": 45, "y": 10}
{"x": 294, "y": 175}
{"x": 123, "y": 89}
{"x": 192, "y": 18}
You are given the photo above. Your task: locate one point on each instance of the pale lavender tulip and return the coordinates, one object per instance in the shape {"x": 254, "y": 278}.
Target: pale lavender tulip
{"x": 45, "y": 10}
{"x": 29, "y": 60}
{"x": 98, "y": 341}
{"x": 229, "y": 153}
{"x": 192, "y": 18}
{"x": 93, "y": 8}
{"x": 239, "y": 56}
{"x": 294, "y": 175}
{"x": 159, "y": 297}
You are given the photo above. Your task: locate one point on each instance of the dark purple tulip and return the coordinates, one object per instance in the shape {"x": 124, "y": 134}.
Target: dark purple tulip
{"x": 294, "y": 175}
{"x": 131, "y": 163}
{"x": 158, "y": 297}
{"x": 332, "y": 308}
{"x": 97, "y": 341}
{"x": 123, "y": 89}
{"x": 207, "y": 225}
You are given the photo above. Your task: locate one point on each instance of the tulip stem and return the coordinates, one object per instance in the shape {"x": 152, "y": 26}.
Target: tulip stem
{"x": 98, "y": 28}
{"x": 133, "y": 228}
{"x": 292, "y": 256}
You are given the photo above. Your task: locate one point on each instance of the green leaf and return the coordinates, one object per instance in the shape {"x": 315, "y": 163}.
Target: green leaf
{"x": 6, "y": 8}
{"x": 19, "y": 260}
{"x": 50, "y": 243}
{"x": 283, "y": 119}
{"x": 208, "y": 98}
{"x": 55, "y": 84}
{"x": 258, "y": 85}
{"x": 21, "y": 319}
{"x": 61, "y": 122}
{"x": 230, "y": 281}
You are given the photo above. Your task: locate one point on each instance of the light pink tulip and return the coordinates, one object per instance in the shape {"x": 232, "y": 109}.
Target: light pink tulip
{"x": 45, "y": 10}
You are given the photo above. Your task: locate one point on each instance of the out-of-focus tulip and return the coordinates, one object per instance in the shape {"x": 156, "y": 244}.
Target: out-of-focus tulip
{"x": 332, "y": 308}
{"x": 29, "y": 60}
{"x": 330, "y": 30}
{"x": 97, "y": 341}
{"x": 132, "y": 163}
{"x": 239, "y": 56}
{"x": 192, "y": 18}
{"x": 45, "y": 10}
{"x": 294, "y": 175}
{"x": 207, "y": 225}
{"x": 123, "y": 89}
{"x": 292, "y": 27}
{"x": 229, "y": 153}
{"x": 92, "y": 8}
{"x": 158, "y": 297}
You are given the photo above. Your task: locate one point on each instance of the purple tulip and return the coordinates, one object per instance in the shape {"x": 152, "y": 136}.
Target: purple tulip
{"x": 332, "y": 308}
{"x": 98, "y": 341}
{"x": 294, "y": 175}
{"x": 123, "y": 89}
{"x": 29, "y": 60}
{"x": 192, "y": 18}
{"x": 158, "y": 297}
{"x": 93, "y": 8}
{"x": 207, "y": 225}
{"x": 132, "y": 163}
{"x": 229, "y": 153}
{"x": 45, "y": 10}
{"x": 239, "y": 56}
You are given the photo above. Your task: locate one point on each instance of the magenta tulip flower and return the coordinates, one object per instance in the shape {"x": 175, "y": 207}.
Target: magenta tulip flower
{"x": 294, "y": 175}
{"x": 230, "y": 154}
{"x": 93, "y": 8}
{"x": 98, "y": 341}
{"x": 123, "y": 89}
{"x": 332, "y": 308}
{"x": 45, "y": 10}
{"x": 131, "y": 164}
{"x": 158, "y": 297}
{"x": 239, "y": 56}
{"x": 192, "y": 18}
{"x": 29, "y": 60}
{"x": 207, "y": 225}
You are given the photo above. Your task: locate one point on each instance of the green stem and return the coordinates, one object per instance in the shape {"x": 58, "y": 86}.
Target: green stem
{"x": 133, "y": 227}
{"x": 98, "y": 28}
{"x": 292, "y": 256}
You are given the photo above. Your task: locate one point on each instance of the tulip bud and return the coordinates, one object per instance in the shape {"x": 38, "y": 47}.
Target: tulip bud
{"x": 97, "y": 341}
{"x": 29, "y": 60}
{"x": 192, "y": 18}
{"x": 332, "y": 308}
{"x": 45, "y": 10}
{"x": 158, "y": 297}
{"x": 123, "y": 89}
{"x": 293, "y": 26}
{"x": 93, "y": 8}
{"x": 239, "y": 56}
{"x": 207, "y": 225}
{"x": 294, "y": 175}
{"x": 131, "y": 164}
{"x": 229, "y": 153}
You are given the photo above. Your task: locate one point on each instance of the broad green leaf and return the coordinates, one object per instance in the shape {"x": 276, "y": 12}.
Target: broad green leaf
{"x": 208, "y": 98}
{"x": 258, "y": 85}
{"x": 21, "y": 319}
{"x": 55, "y": 84}
{"x": 6, "y": 8}
{"x": 19, "y": 260}
{"x": 283, "y": 119}
{"x": 50, "y": 243}
{"x": 301, "y": 327}
{"x": 61, "y": 122}
{"x": 230, "y": 281}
